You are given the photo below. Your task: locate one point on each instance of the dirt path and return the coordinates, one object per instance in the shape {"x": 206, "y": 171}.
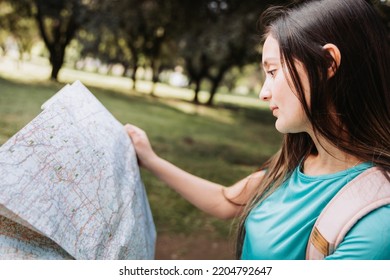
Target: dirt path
{"x": 183, "y": 247}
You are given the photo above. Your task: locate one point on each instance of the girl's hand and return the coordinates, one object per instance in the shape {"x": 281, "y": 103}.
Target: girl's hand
{"x": 142, "y": 146}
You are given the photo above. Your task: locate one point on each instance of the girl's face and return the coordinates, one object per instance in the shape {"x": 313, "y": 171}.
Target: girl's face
{"x": 283, "y": 102}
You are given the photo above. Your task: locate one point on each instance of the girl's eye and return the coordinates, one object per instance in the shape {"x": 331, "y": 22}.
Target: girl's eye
{"x": 271, "y": 73}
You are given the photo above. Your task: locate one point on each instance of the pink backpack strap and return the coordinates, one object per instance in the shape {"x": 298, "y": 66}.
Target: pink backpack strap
{"x": 367, "y": 192}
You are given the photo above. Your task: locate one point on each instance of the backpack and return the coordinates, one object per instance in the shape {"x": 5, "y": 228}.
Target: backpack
{"x": 365, "y": 193}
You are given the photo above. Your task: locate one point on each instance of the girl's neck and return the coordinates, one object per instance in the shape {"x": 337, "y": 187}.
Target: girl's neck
{"x": 328, "y": 159}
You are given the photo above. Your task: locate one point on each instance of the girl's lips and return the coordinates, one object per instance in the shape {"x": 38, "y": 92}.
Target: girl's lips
{"x": 273, "y": 109}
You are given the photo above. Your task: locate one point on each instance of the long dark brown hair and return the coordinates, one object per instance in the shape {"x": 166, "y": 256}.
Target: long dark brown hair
{"x": 350, "y": 109}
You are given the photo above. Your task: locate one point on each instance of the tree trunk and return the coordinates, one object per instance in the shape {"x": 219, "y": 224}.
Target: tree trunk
{"x": 196, "y": 91}
{"x": 215, "y": 81}
{"x": 156, "y": 74}
{"x": 196, "y": 76}
{"x": 55, "y": 70}
{"x": 125, "y": 69}
{"x": 212, "y": 93}
{"x": 134, "y": 76}
{"x": 134, "y": 62}
{"x": 57, "y": 54}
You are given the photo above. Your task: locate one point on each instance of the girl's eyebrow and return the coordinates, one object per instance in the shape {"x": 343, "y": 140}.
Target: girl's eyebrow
{"x": 268, "y": 61}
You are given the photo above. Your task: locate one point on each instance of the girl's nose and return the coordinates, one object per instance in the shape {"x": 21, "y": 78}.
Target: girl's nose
{"x": 265, "y": 93}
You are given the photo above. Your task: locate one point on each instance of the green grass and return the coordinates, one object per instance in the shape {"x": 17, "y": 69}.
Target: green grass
{"x": 222, "y": 144}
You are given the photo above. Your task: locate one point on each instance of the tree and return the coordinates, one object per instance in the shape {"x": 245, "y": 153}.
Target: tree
{"x": 220, "y": 35}
{"x": 19, "y": 24}
{"x": 132, "y": 33}
{"x": 145, "y": 27}
{"x": 100, "y": 38}
{"x": 57, "y": 21}
{"x": 237, "y": 46}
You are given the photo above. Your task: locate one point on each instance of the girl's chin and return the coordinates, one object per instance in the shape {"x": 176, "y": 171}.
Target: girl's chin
{"x": 283, "y": 128}
{"x": 279, "y": 126}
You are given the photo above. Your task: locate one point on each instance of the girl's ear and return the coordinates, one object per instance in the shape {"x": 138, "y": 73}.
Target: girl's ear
{"x": 335, "y": 54}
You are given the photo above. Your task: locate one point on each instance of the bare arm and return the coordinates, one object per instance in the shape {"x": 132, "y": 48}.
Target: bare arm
{"x": 210, "y": 197}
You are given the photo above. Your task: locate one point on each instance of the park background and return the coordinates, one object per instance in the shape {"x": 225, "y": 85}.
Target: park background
{"x": 185, "y": 71}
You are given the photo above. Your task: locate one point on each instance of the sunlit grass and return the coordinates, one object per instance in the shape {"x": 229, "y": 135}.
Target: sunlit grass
{"x": 39, "y": 70}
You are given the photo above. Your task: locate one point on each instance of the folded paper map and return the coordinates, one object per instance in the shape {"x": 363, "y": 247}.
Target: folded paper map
{"x": 70, "y": 186}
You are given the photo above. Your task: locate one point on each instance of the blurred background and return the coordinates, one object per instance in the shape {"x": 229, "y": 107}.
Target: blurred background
{"x": 185, "y": 71}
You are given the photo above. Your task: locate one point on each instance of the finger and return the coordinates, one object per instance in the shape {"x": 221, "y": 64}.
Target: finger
{"x": 133, "y": 128}
{"x": 129, "y": 127}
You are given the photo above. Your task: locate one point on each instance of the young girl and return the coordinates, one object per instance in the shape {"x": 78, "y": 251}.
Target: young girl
{"x": 327, "y": 65}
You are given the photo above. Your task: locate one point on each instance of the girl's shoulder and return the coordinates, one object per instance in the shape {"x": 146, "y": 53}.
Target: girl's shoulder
{"x": 369, "y": 238}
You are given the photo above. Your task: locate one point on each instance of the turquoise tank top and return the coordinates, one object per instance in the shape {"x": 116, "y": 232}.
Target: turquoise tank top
{"x": 279, "y": 227}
